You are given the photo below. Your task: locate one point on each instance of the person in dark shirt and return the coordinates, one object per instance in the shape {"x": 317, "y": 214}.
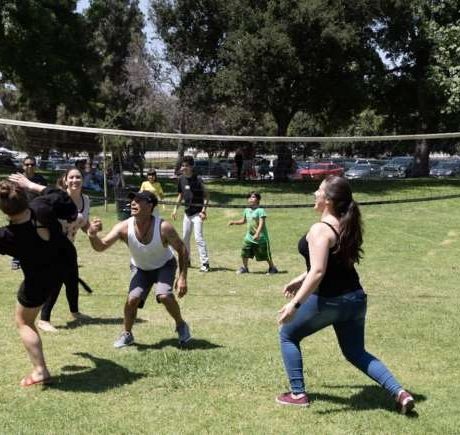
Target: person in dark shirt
{"x": 28, "y": 167}
{"x": 192, "y": 190}
{"x": 329, "y": 293}
{"x": 34, "y": 236}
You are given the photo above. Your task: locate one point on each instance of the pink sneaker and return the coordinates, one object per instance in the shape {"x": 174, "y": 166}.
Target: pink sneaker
{"x": 287, "y": 399}
{"x": 404, "y": 402}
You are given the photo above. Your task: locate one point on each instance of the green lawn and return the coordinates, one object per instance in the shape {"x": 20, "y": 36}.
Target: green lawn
{"x": 227, "y": 379}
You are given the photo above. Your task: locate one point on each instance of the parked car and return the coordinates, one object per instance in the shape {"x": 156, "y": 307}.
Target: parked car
{"x": 345, "y": 163}
{"x": 318, "y": 171}
{"x": 208, "y": 168}
{"x": 7, "y": 164}
{"x": 398, "y": 167}
{"x": 63, "y": 164}
{"x": 364, "y": 170}
{"x": 229, "y": 166}
{"x": 297, "y": 174}
{"x": 362, "y": 161}
{"x": 448, "y": 168}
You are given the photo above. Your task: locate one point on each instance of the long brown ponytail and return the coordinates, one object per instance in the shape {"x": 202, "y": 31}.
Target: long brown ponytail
{"x": 338, "y": 190}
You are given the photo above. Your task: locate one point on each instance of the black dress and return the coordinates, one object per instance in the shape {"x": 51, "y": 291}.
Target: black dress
{"x": 44, "y": 263}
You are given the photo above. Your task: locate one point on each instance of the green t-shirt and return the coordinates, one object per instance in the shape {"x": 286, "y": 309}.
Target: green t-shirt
{"x": 252, "y": 217}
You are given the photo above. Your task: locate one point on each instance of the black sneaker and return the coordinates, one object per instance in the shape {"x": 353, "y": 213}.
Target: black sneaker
{"x": 242, "y": 269}
{"x": 272, "y": 270}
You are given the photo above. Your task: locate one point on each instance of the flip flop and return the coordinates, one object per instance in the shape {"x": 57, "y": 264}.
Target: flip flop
{"x": 28, "y": 381}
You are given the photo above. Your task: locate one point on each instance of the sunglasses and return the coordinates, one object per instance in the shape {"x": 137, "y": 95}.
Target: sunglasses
{"x": 29, "y": 164}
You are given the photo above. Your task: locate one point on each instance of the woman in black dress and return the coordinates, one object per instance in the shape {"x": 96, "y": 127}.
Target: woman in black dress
{"x": 34, "y": 236}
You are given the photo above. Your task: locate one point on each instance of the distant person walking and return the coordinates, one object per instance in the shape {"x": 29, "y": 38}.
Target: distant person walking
{"x": 149, "y": 240}
{"x": 34, "y": 236}
{"x": 192, "y": 190}
{"x": 256, "y": 241}
{"x": 330, "y": 293}
{"x": 29, "y": 166}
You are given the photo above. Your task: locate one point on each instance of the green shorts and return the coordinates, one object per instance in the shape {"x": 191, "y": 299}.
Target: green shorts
{"x": 259, "y": 250}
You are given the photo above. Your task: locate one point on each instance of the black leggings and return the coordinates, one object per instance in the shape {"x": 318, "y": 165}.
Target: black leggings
{"x": 70, "y": 281}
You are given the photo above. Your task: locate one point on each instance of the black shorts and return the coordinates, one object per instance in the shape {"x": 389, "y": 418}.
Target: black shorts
{"x": 34, "y": 296}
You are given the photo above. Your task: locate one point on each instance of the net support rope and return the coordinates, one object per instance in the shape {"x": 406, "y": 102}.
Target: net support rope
{"x": 243, "y": 206}
{"x": 225, "y": 138}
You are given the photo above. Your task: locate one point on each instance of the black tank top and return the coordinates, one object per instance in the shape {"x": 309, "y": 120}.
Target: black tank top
{"x": 339, "y": 278}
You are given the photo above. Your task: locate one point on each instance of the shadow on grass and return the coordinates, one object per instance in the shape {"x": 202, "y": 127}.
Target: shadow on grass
{"x": 222, "y": 269}
{"x": 264, "y": 272}
{"x": 105, "y": 376}
{"x": 96, "y": 321}
{"x": 193, "y": 344}
{"x": 370, "y": 397}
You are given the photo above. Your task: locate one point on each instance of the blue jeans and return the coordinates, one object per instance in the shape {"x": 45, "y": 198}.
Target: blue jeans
{"x": 347, "y": 314}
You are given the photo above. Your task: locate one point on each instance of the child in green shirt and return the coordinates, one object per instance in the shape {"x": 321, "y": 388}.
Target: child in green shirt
{"x": 256, "y": 241}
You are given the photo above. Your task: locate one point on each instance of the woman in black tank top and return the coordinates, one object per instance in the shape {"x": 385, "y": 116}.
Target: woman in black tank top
{"x": 329, "y": 293}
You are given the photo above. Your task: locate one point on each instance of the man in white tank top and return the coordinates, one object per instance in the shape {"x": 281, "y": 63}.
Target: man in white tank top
{"x": 149, "y": 240}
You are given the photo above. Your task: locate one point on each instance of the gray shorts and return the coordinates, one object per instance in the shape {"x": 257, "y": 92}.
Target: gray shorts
{"x": 142, "y": 281}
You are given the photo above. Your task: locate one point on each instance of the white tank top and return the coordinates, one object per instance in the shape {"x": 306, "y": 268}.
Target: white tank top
{"x": 70, "y": 229}
{"x": 151, "y": 256}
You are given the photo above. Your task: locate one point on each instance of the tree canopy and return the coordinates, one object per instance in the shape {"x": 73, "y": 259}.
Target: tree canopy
{"x": 274, "y": 67}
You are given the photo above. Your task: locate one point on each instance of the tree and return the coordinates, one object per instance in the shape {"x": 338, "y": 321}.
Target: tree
{"x": 272, "y": 56}
{"x": 127, "y": 74}
{"x": 420, "y": 88}
{"x": 44, "y": 54}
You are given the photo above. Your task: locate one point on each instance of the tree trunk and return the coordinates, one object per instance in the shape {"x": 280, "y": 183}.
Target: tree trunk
{"x": 284, "y": 165}
{"x": 421, "y": 158}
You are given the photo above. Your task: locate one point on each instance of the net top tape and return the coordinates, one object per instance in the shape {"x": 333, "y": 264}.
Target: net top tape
{"x": 224, "y": 138}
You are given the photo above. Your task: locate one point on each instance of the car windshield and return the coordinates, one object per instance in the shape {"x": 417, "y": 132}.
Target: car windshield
{"x": 401, "y": 160}
{"x": 447, "y": 165}
{"x": 360, "y": 167}
{"x": 321, "y": 166}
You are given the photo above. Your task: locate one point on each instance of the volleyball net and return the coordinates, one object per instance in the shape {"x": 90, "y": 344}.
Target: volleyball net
{"x": 285, "y": 170}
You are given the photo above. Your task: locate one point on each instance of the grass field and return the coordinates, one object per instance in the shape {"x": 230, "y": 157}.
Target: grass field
{"x": 227, "y": 378}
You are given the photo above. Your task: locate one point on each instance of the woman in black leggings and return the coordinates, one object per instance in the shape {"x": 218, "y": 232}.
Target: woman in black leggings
{"x": 34, "y": 236}
{"x": 71, "y": 182}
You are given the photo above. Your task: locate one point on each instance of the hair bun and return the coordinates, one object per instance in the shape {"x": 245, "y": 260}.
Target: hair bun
{"x": 5, "y": 190}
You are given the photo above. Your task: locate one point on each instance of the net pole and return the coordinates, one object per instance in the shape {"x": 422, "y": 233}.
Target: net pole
{"x": 104, "y": 151}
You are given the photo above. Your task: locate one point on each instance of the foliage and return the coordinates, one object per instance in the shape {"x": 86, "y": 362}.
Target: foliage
{"x": 44, "y": 54}
{"x": 272, "y": 56}
{"x": 414, "y": 36}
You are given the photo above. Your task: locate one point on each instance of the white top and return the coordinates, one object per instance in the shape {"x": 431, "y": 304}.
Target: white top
{"x": 151, "y": 256}
{"x": 70, "y": 229}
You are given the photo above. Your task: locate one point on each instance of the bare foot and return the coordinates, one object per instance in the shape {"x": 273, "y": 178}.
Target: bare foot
{"x": 36, "y": 379}
{"x": 46, "y": 326}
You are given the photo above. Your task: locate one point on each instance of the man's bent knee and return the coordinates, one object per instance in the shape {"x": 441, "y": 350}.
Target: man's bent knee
{"x": 164, "y": 298}
{"x": 133, "y": 301}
